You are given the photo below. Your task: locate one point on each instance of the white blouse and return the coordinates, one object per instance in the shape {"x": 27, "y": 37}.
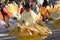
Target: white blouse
{"x": 29, "y": 17}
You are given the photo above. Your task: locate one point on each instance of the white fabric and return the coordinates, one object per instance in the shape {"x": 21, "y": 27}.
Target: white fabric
{"x": 17, "y": 15}
{"x": 2, "y": 22}
{"x": 15, "y": 3}
{"x": 2, "y": 26}
{"x": 29, "y": 17}
{"x": 13, "y": 23}
{"x": 40, "y": 2}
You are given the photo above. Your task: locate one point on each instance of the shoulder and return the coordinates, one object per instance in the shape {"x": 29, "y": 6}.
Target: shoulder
{"x": 23, "y": 13}
{"x": 32, "y": 12}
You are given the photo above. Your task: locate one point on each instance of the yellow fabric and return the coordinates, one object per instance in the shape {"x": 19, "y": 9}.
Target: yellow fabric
{"x": 30, "y": 38}
{"x": 1, "y": 17}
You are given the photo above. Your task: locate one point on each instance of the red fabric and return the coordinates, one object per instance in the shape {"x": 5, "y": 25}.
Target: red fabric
{"x": 7, "y": 12}
{"x": 48, "y": 12}
{"x": 42, "y": 7}
{"x": 41, "y": 18}
{"x": 21, "y": 10}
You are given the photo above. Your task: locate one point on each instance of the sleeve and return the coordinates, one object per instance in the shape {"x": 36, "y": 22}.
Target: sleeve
{"x": 34, "y": 15}
{"x": 36, "y": 18}
{"x": 22, "y": 18}
{"x": 21, "y": 10}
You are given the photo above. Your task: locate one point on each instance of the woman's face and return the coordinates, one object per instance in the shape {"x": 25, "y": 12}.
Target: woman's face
{"x": 28, "y": 9}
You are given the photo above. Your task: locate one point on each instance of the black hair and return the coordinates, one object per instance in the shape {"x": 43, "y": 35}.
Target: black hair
{"x": 26, "y": 5}
{"x": 14, "y": 18}
{"x": 45, "y": 3}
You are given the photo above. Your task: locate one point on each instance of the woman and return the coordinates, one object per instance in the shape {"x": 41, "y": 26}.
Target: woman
{"x": 28, "y": 15}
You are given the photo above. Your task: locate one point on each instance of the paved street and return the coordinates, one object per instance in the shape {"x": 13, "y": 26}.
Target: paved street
{"x": 55, "y": 35}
